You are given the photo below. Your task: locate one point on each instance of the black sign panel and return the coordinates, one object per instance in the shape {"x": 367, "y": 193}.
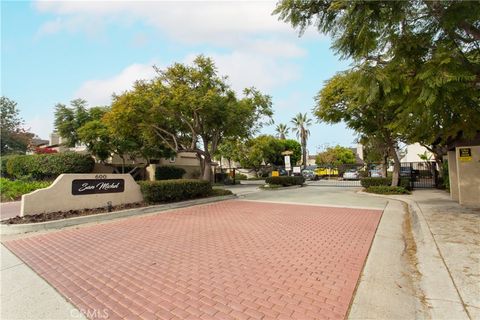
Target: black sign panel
{"x": 95, "y": 186}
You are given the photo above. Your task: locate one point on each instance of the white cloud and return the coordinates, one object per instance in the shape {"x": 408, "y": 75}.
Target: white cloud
{"x": 215, "y": 22}
{"x": 99, "y": 91}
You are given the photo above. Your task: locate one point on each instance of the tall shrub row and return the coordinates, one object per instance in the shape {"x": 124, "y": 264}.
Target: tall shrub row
{"x": 48, "y": 166}
{"x": 174, "y": 190}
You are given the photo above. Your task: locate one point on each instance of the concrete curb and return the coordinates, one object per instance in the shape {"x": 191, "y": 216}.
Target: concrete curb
{"x": 281, "y": 188}
{"x": 252, "y": 182}
{"x": 12, "y": 229}
{"x": 435, "y": 289}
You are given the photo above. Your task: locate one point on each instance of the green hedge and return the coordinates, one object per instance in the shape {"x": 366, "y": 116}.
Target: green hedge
{"x": 13, "y": 190}
{"x": 3, "y": 164}
{"x": 387, "y": 190}
{"x": 240, "y": 176}
{"x": 285, "y": 181}
{"x": 220, "y": 192}
{"x": 169, "y": 173}
{"x": 368, "y": 182}
{"x": 174, "y": 190}
{"x": 375, "y": 182}
{"x": 49, "y": 166}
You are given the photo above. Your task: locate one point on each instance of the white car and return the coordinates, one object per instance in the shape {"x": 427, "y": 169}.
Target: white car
{"x": 351, "y": 175}
{"x": 375, "y": 174}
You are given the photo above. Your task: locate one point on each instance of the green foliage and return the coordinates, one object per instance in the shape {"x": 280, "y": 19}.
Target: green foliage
{"x": 369, "y": 182}
{"x": 285, "y": 181}
{"x": 3, "y": 162}
{"x": 174, "y": 190}
{"x": 240, "y": 176}
{"x": 49, "y": 166}
{"x": 13, "y": 190}
{"x": 14, "y": 139}
{"x": 445, "y": 183}
{"x": 424, "y": 54}
{"x": 301, "y": 122}
{"x": 217, "y": 192}
{"x": 282, "y": 131}
{"x": 169, "y": 173}
{"x": 266, "y": 149}
{"x": 184, "y": 103}
{"x": 336, "y": 156}
{"x": 387, "y": 190}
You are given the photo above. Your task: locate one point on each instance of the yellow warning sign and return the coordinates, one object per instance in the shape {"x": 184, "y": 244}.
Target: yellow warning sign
{"x": 465, "y": 154}
{"x": 275, "y": 174}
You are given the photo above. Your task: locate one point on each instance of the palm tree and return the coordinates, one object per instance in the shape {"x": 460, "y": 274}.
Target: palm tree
{"x": 282, "y": 131}
{"x": 301, "y": 122}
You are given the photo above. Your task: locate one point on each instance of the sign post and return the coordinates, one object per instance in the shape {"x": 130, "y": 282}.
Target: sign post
{"x": 288, "y": 165}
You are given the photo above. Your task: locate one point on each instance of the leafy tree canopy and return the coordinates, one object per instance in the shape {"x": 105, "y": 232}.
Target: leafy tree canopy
{"x": 336, "y": 156}
{"x": 426, "y": 55}
{"x": 14, "y": 138}
{"x": 191, "y": 108}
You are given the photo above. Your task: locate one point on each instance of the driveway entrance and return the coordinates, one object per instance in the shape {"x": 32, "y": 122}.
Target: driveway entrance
{"x": 228, "y": 260}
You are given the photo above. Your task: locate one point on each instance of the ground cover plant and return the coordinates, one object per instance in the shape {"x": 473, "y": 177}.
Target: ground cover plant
{"x": 12, "y": 190}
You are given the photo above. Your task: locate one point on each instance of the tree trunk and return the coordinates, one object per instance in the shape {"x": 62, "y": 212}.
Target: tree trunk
{"x": 385, "y": 164}
{"x": 396, "y": 165}
{"x": 304, "y": 154}
{"x": 207, "y": 171}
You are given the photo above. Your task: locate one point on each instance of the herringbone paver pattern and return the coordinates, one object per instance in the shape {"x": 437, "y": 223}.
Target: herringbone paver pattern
{"x": 228, "y": 260}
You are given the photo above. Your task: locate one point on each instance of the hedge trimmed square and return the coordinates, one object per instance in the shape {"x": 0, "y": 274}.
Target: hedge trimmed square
{"x": 174, "y": 190}
{"x": 285, "y": 181}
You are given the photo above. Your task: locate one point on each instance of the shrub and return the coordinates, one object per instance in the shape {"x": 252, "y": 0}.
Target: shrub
{"x": 169, "y": 173}
{"x": 285, "y": 181}
{"x": 13, "y": 190}
{"x": 240, "y": 176}
{"x": 3, "y": 163}
{"x": 220, "y": 192}
{"x": 405, "y": 183}
{"x": 368, "y": 182}
{"x": 174, "y": 190}
{"x": 49, "y": 166}
{"x": 387, "y": 190}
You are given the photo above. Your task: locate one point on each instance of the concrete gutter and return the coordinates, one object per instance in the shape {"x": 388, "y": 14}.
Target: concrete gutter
{"x": 11, "y": 229}
{"x": 405, "y": 275}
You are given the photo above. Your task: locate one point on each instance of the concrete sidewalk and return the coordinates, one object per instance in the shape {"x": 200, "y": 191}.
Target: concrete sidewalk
{"x": 424, "y": 262}
{"x": 25, "y": 295}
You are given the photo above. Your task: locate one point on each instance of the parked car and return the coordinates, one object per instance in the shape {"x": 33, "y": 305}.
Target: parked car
{"x": 351, "y": 174}
{"x": 375, "y": 174}
{"x": 309, "y": 174}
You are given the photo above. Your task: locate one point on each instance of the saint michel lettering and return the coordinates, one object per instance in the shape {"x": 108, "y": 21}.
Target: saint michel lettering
{"x": 92, "y": 186}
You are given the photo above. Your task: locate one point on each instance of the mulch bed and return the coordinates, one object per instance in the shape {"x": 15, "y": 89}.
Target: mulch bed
{"x": 42, "y": 217}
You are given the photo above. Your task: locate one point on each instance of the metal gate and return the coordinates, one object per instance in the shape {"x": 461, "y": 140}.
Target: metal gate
{"x": 420, "y": 174}
{"x": 344, "y": 175}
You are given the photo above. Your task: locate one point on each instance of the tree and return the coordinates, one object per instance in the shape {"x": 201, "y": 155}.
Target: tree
{"x": 14, "y": 138}
{"x": 336, "y": 156}
{"x": 192, "y": 109}
{"x": 300, "y": 124}
{"x": 428, "y": 52}
{"x": 360, "y": 99}
{"x": 282, "y": 131}
{"x": 69, "y": 119}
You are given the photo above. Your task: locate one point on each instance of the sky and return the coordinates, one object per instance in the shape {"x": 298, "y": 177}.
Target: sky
{"x": 56, "y": 51}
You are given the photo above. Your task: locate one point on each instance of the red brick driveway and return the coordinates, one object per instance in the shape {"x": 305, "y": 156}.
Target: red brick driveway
{"x": 228, "y": 260}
